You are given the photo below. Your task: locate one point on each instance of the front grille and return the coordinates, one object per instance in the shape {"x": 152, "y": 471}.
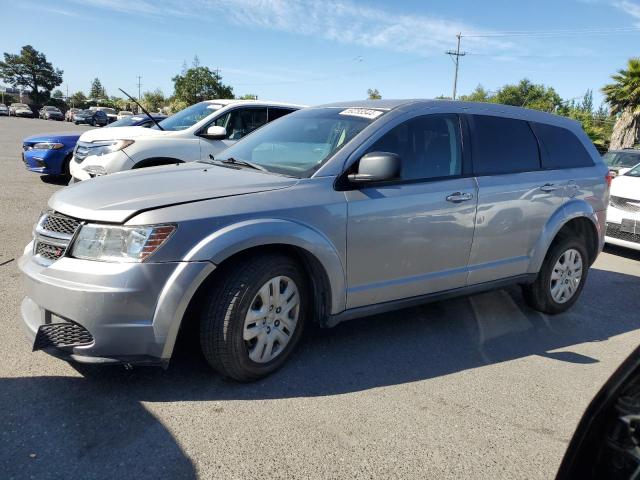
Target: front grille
{"x": 613, "y": 231}
{"x": 57, "y": 223}
{"x": 626, "y": 204}
{"x": 53, "y": 234}
{"x": 48, "y": 251}
{"x": 62, "y": 335}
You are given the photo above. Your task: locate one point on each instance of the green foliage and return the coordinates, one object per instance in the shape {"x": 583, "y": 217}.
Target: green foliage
{"x": 480, "y": 94}
{"x": 57, "y": 93}
{"x": 373, "y": 94}
{"x": 153, "y": 101}
{"x": 528, "y": 95}
{"x": 624, "y": 93}
{"x": 199, "y": 83}
{"x": 78, "y": 100}
{"x": 97, "y": 90}
{"x": 176, "y": 105}
{"x": 30, "y": 69}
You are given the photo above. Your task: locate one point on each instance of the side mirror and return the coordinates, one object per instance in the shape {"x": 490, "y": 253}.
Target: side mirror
{"x": 215, "y": 133}
{"x": 376, "y": 167}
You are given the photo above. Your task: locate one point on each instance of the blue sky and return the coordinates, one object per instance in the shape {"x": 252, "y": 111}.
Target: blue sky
{"x": 316, "y": 51}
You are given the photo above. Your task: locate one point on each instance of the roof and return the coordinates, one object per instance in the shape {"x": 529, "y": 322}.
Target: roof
{"x": 473, "y": 107}
{"x": 226, "y": 101}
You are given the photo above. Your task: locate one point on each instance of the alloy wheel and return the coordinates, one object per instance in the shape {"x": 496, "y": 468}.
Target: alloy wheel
{"x": 566, "y": 276}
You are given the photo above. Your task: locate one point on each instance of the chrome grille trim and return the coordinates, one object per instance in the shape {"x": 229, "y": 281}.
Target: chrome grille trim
{"x": 52, "y": 235}
{"x": 626, "y": 204}
{"x": 82, "y": 151}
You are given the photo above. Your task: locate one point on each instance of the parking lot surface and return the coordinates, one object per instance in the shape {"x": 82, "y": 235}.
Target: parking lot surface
{"x": 479, "y": 387}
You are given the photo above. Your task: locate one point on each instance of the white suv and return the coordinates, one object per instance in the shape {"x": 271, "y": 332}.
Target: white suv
{"x": 194, "y": 133}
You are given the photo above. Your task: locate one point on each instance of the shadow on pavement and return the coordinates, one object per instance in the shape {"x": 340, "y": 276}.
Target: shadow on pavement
{"x": 62, "y": 180}
{"x": 98, "y": 422}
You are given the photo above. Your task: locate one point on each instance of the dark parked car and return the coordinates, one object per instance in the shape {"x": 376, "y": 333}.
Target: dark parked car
{"x": 51, "y": 113}
{"x": 91, "y": 117}
{"x": 606, "y": 442}
{"x": 49, "y": 154}
{"x": 617, "y": 160}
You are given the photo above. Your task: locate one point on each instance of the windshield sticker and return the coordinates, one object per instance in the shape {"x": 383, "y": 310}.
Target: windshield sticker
{"x": 362, "y": 112}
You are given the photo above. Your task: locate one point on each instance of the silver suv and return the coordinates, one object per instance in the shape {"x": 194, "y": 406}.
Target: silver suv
{"x": 327, "y": 214}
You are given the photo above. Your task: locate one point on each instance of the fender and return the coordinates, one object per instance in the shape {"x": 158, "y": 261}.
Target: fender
{"x": 574, "y": 208}
{"x": 234, "y": 238}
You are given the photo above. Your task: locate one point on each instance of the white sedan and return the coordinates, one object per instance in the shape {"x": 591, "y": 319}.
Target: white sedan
{"x": 623, "y": 214}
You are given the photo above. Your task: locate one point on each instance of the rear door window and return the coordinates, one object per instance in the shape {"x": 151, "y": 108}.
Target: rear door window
{"x": 560, "y": 147}
{"x": 243, "y": 121}
{"x": 502, "y": 145}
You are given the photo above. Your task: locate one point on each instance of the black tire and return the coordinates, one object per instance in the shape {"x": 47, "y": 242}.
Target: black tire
{"x": 223, "y": 315}
{"x": 538, "y": 294}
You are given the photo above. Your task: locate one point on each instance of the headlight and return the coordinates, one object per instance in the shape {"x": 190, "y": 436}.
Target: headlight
{"x": 108, "y": 146}
{"x": 119, "y": 244}
{"x": 48, "y": 146}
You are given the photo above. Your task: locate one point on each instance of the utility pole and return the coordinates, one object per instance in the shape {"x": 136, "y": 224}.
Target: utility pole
{"x": 455, "y": 56}
{"x": 139, "y": 85}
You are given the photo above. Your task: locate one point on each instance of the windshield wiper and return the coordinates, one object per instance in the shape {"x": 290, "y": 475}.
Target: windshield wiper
{"x": 142, "y": 108}
{"x": 243, "y": 163}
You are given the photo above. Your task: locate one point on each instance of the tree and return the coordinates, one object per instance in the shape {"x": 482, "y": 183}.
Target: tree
{"x": 97, "y": 90}
{"x": 78, "y": 100}
{"x": 30, "y": 69}
{"x": 623, "y": 95}
{"x": 200, "y": 83}
{"x": 373, "y": 94}
{"x": 480, "y": 94}
{"x": 529, "y": 95}
{"x": 153, "y": 101}
{"x": 57, "y": 93}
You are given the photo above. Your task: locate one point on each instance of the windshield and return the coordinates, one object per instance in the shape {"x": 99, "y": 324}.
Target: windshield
{"x": 634, "y": 172}
{"x": 127, "y": 121}
{"x": 86, "y": 112}
{"x": 301, "y": 142}
{"x": 107, "y": 110}
{"x": 51, "y": 109}
{"x": 189, "y": 116}
{"x": 621, "y": 159}
{"x": 20, "y": 105}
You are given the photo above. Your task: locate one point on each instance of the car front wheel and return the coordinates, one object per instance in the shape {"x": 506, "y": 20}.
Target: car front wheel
{"x": 561, "y": 278}
{"x": 254, "y": 316}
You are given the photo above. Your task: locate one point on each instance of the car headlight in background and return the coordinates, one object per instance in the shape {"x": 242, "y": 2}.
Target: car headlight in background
{"x": 110, "y": 243}
{"x": 108, "y": 146}
{"x": 47, "y": 146}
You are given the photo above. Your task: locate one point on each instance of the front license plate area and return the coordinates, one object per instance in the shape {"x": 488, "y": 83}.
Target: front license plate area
{"x": 629, "y": 225}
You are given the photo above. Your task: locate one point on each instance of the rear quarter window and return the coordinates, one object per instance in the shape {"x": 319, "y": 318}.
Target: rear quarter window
{"x": 502, "y": 145}
{"x": 560, "y": 147}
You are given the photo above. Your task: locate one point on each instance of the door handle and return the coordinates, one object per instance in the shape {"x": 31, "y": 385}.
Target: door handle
{"x": 549, "y": 187}
{"x": 458, "y": 197}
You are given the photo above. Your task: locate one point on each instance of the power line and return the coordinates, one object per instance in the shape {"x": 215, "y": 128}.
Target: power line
{"x": 457, "y": 54}
{"x": 557, "y": 33}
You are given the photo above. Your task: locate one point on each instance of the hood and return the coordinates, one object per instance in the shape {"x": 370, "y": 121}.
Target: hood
{"x": 120, "y": 133}
{"x": 626, "y": 187}
{"x": 117, "y": 197}
{"x": 53, "y": 137}
{"x": 22, "y": 109}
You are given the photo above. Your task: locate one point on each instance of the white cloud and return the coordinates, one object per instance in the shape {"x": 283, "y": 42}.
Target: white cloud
{"x": 631, "y": 8}
{"x": 342, "y": 21}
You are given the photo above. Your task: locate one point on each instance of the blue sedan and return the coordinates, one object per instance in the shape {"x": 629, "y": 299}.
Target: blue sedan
{"x": 50, "y": 154}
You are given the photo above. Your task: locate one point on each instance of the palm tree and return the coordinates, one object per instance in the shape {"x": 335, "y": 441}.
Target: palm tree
{"x": 624, "y": 98}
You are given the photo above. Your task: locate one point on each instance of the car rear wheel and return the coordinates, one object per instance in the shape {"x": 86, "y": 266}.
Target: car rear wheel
{"x": 254, "y": 316}
{"x": 561, "y": 278}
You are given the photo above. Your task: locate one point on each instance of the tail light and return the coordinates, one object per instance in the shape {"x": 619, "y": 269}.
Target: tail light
{"x": 609, "y": 178}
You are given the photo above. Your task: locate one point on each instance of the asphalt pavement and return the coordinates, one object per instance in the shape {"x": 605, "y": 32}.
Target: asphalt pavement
{"x": 479, "y": 387}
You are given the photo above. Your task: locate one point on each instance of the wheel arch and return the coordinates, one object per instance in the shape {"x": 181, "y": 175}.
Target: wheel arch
{"x": 574, "y": 218}
{"x": 318, "y": 258}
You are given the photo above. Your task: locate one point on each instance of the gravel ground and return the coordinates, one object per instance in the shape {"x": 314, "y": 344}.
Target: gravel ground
{"x": 480, "y": 387}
